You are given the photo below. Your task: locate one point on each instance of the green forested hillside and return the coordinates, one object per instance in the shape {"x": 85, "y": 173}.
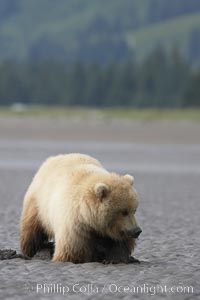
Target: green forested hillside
{"x": 99, "y": 30}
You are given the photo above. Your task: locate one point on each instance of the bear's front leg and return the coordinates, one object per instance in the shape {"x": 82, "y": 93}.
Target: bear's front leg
{"x": 71, "y": 250}
{"x": 117, "y": 252}
{"x": 109, "y": 251}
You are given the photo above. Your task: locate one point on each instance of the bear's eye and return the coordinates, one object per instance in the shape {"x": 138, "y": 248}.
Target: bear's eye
{"x": 125, "y": 212}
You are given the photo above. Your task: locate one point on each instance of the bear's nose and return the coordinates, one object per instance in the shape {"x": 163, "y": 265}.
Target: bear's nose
{"x": 135, "y": 232}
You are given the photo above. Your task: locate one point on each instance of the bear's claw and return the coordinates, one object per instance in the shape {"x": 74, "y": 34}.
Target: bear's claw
{"x": 133, "y": 260}
{"x": 107, "y": 262}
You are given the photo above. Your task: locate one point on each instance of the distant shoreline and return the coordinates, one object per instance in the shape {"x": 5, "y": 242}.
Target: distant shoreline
{"x": 100, "y": 114}
{"x": 84, "y": 128}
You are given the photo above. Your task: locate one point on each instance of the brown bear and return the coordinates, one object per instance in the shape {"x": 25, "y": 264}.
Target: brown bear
{"x": 83, "y": 207}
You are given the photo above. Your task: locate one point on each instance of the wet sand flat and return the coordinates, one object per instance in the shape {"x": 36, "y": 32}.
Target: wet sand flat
{"x": 144, "y": 131}
{"x": 164, "y": 158}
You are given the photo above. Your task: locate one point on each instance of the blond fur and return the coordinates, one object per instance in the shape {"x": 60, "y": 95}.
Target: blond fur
{"x": 63, "y": 203}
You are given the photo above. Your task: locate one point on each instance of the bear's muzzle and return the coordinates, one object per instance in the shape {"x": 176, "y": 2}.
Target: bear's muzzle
{"x": 135, "y": 232}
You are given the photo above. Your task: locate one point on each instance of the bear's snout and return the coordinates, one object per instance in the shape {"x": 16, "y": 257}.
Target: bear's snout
{"x": 135, "y": 232}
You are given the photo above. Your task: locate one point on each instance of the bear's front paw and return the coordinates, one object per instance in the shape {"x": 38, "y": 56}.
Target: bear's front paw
{"x": 9, "y": 254}
{"x": 133, "y": 260}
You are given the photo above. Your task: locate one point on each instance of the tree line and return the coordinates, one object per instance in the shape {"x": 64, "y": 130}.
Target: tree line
{"x": 161, "y": 80}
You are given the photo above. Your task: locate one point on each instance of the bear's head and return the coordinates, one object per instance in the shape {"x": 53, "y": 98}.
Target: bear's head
{"x": 109, "y": 206}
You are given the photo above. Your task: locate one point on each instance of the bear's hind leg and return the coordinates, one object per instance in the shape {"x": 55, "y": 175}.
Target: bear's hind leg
{"x": 32, "y": 235}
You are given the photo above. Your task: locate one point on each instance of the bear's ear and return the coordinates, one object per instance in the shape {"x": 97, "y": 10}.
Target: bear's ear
{"x": 129, "y": 178}
{"x": 101, "y": 190}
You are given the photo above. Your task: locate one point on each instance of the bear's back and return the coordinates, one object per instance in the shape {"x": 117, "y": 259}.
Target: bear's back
{"x": 71, "y": 160}
{"x": 55, "y": 169}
